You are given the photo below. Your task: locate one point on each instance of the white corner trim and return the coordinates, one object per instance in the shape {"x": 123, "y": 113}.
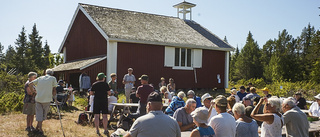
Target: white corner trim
{"x": 94, "y": 23}
{"x": 68, "y": 30}
{"x": 93, "y": 63}
{"x": 226, "y": 73}
{"x": 112, "y": 54}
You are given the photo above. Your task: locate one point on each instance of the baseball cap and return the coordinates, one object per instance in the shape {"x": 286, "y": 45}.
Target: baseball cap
{"x": 221, "y": 101}
{"x": 101, "y": 75}
{"x": 200, "y": 114}
{"x": 144, "y": 77}
{"x": 154, "y": 97}
{"x": 265, "y": 89}
{"x": 205, "y": 96}
{"x": 60, "y": 81}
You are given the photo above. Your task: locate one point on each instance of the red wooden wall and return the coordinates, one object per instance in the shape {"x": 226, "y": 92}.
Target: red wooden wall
{"x": 149, "y": 59}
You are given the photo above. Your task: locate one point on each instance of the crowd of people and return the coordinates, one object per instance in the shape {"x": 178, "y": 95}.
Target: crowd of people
{"x": 238, "y": 115}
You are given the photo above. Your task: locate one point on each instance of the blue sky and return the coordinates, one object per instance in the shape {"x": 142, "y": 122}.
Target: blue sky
{"x": 230, "y": 18}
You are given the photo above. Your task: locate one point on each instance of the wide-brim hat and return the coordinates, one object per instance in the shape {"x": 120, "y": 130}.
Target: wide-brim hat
{"x": 205, "y": 96}
{"x": 317, "y": 96}
{"x": 200, "y": 115}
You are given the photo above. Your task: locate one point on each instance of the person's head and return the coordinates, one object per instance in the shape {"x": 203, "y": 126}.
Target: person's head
{"x": 273, "y": 105}
{"x": 144, "y": 79}
{"x": 265, "y": 91}
{"x": 221, "y": 104}
{"x": 206, "y": 99}
{"x": 317, "y": 97}
{"x": 238, "y": 110}
{"x": 287, "y": 104}
{"x": 133, "y": 89}
{"x": 113, "y": 76}
{"x": 32, "y": 76}
{"x": 154, "y": 102}
{"x": 253, "y": 90}
{"x": 101, "y": 76}
{"x": 61, "y": 82}
{"x": 250, "y": 84}
{"x": 130, "y": 70}
{"x": 191, "y": 94}
{"x": 91, "y": 92}
{"x": 162, "y": 79}
{"x": 255, "y": 99}
{"x": 163, "y": 89}
{"x": 171, "y": 80}
{"x": 200, "y": 115}
{"x": 181, "y": 94}
{"x": 49, "y": 72}
{"x": 231, "y": 101}
{"x": 247, "y": 100}
{"x": 297, "y": 95}
{"x": 242, "y": 89}
{"x": 191, "y": 105}
{"x": 233, "y": 91}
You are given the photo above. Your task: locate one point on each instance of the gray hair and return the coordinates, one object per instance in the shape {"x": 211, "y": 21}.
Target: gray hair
{"x": 163, "y": 88}
{"x": 275, "y": 102}
{"x": 290, "y": 102}
{"x": 190, "y": 101}
{"x": 49, "y": 71}
{"x": 239, "y": 108}
{"x": 181, "y": 94}
{"x": 30, "y": 74}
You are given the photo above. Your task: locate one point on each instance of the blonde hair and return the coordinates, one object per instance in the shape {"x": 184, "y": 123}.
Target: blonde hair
{"x": 181, "y": 94}
{"x": 163, "y": 88}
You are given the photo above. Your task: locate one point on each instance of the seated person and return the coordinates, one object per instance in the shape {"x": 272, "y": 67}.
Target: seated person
{"x": 300, "y": 101}
{"x": 314, "y": 109}
{"x": 177, "y": 102}
{"x": 192, "y": 95}
{"x": 111, "y": 99}
{"x": 165, "y": 93}
{"x": 245, "y": 126}
{"x": 183, "y": 117}
{"x": 61, "y": 97}
{"x": 200, "y": 116}
{"x": 133, "y": 99}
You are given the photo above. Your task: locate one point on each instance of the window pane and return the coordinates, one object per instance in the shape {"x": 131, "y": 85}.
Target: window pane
{"x": 183, "y": 57}
{"x": 188, "y": 57}
{"x": 176, "y": 56}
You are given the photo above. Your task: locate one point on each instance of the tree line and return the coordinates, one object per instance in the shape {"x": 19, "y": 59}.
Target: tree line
{"x": 28, "y": 54}
{"x": 284, "y": 58}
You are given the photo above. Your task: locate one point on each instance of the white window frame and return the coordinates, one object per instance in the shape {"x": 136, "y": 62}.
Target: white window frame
{"x": 169, "y": 58}
{"x": 186, "y": 59}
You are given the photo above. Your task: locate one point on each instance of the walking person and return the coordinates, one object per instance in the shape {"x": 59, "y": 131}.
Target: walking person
{"x": 45, "y": 89}
{"x": 100, "y": 102}
{"x": 128, "y": 81}
{"x": 29, "y": 101}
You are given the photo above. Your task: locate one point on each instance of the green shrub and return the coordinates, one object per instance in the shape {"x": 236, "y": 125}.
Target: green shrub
{"x": 80, "y": 102}
{"x": 11, "y": 102}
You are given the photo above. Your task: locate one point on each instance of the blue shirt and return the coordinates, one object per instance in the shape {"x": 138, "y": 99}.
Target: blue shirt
{"x": 174, "y": 105}
{"x": 241, "y": 95}
{"x": 198, "y": 100}
{"x": 206, "y": 132}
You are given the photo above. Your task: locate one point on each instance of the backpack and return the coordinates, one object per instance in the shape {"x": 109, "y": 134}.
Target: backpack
{"x": 83, "y": 119}
{"x": 125, "y": 122}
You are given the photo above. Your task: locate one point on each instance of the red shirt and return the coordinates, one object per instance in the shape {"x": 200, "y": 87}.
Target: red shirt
{"x": 144, "y": 91}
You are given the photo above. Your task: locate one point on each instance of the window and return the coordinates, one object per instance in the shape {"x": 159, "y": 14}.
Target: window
{"x": 182, "y": 57}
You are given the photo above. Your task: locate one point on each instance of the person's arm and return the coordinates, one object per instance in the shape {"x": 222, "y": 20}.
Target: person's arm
{"x": 124, "y": 80}
{"x": 127, "y": 135}
{"x": 195, "y": 133}
{"x": 29, "y": 91}
{"x": 210, "y": 109}
{"x": 185, "y": 127}
{"x": 262, "y": 117}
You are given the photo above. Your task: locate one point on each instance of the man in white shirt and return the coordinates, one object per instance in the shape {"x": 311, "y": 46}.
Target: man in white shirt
{"x": 223, "y": 124}
{"x": 206, "y": 99}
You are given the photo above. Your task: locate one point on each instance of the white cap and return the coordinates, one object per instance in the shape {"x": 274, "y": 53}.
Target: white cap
{"x": 205, "y": 96}
{"x": 317, "y": 96}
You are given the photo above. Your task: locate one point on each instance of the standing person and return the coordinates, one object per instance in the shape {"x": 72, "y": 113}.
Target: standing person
{"x": 162, "y": 83}
{"x": 248, "y": 88}
{"x": 46, "y": 89}
{"x": 300, "y": 101}
{"x": 314, "y": 109}
{"x": 206, "y": 100}
{"x": 143, "y": 92}
{"x": 200, "y": 116}
{"x": 183, "y": 117}
{"x": 234, "y": 93}
{"x": 192, "y": 95}
{"x": 155, "y": 123}
{"x": 242, "y": 93}
{"x": 223, "y": 124}
{"x": 171, "y": 86}
{"x": 113, "y": 84}
{"x": 100, "y": 102}
{"x": 29, "y": 101}
{"x": 266, "y": 92}
{"x": 128, "y": 81}
{"x": 245, "y": 126}
{"x": 272, "y": 118}
{"x": 296, "y": 121}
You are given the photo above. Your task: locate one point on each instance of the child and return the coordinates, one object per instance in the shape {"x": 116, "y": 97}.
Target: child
{"x": 71, "y": 96}
{"x": 91, "y": 101}
{"x": 113, "y": 83}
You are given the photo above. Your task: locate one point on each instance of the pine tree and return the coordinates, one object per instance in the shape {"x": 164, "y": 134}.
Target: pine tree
{"x": 9, "y": 58}
{"x": 36, "y": 50}
{"x": 233, "y": 60}
{"x": 46, "y": 56}
{"x": 21, "y": 48}
{"x": 1, "y": 53}
{"x": 248, "y": 64}
{"x": 315, "y": 54}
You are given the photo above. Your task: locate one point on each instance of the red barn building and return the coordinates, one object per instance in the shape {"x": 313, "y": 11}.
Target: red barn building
{"x": 102, "y": 39}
